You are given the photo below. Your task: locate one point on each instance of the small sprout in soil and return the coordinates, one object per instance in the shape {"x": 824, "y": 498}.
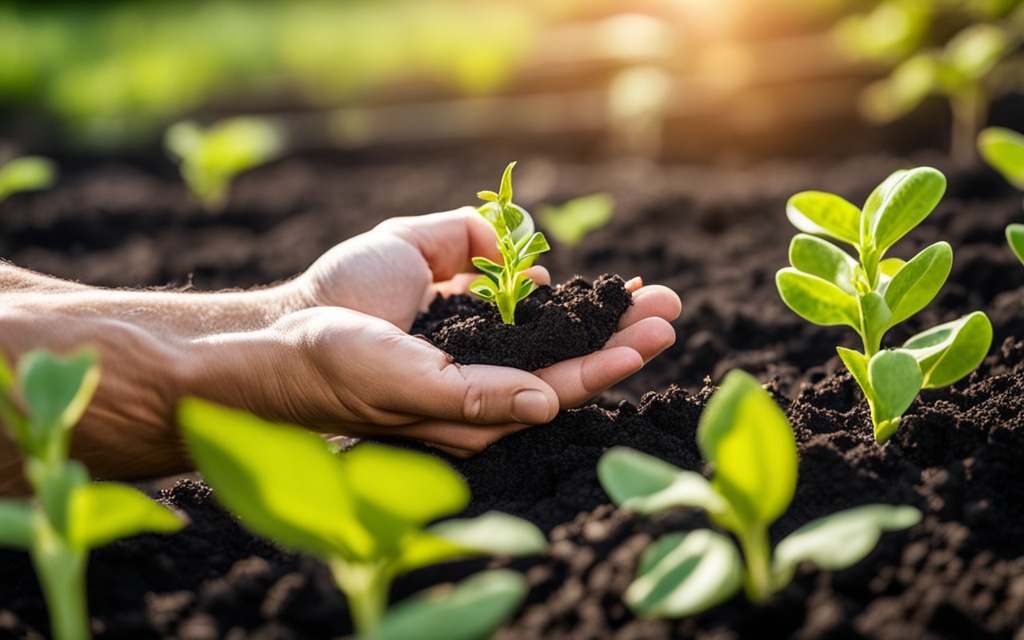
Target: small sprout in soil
{"x": 749, "y": 446}
{"x": 365, "y": 513}
{"x": 211, "y": 158}
{"x": 1004, "y": 150}
{"x": 27, "y": 173}
{"x": 504, "y": 285}
{"x": 827, "y": 286}
{"x": 573, "y": 220}
{"x": 69, "y": 514}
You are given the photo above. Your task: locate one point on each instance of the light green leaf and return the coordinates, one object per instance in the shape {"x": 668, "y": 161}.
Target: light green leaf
{"x": 913, "y": 196}
{"x": 857, "y": 364}
{"x": 748, "y": 440}
{"x": 16, "y": 528}
{"x": 490, "y": 268}
{"x": 6, "y": 375}
{"x": 524, "y": 287}
{"x": 878, "y": 196}
{"x": 877, "y": 317}
{"x": 682, "y": 575}
{"x": 1015, "y": 237}
{"x": 976, "y": 49}
{"x": 895, "y": 381}
{"x": 27, "y": 173}
{"x": 513, "y": 216}
{"x": 104, "y": 512}
{"x": 535, "y": 246}
{"x": 184, "y": 139}
{"x": 571, "y": 222}
{"x": 505, "y": 191}
{"x": 493, "y": 533}
{"x": 524, "y": 228}
{"x": 257, "y": 469}
{"x": 825, "y": 214}
{"x": 471, "y": 610}
{"x": 950, "y": 351}
{"x": 817, "y": 300}
{"x": 839, "y": 540}
{"x": 906, "y": 87}
{"x": 55, "y": 488}
{"x": 647, "y": 484}
{"x": 57, "y": 390}
{"x": 890, "y": 267}
{"x": 1004, "y": 150}
{"x": 484, "y": 287}
{"x": 487, "y": 196}
{"x": 918, "y": 281}
{"x": 821, "y": 258}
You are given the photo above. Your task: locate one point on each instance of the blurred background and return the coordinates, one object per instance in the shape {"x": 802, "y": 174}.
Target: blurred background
{"x": 691, "y": 80}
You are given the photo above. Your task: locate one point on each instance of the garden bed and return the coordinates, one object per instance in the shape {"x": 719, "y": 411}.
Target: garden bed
{"x": 716, "y": 237}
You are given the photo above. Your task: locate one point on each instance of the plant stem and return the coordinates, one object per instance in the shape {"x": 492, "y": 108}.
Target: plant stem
{"x": 61, "y": 572}
{"x": 366, "y": 588}
{"x": 757, "y": 553}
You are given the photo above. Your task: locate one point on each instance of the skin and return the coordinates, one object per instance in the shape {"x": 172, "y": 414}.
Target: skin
{"x": 328, "y": 350}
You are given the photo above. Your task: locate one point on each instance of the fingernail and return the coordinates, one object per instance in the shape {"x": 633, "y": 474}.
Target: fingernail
{"x": 530, "y": 407}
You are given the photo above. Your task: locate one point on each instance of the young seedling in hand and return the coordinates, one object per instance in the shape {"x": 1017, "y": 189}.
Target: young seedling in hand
{"x": 365, "y": 513}
{"x": 504, "y": 284}
{"x": 1004, "y": 150}
{"x": 748, "y": 444}
{"x": 27, "y": 173}
{"x": 68, "y": 515}
{"x": 211, "y": 158}
{"x": 827, "y": 286}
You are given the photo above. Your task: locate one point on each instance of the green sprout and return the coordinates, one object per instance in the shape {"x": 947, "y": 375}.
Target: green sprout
{"x": 365, "y": 513}
{"x": 827, "y": 286}
{"x": 504, "y": 285}
{"x": 749, "y": 445}
{"x": 576, "y": 218}
{"x": 1004, "y": 150}
{"x": 211, "y": 158}
{"x": 69, "y": 514}
{"x": 27, "y": 173}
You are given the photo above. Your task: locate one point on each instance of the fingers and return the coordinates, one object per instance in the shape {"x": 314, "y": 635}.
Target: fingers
{"x": 652, "y": 301}
{"x": 459, "y": 440}
{"x": 579, "y": 379}
{"x": 448, "y": 240}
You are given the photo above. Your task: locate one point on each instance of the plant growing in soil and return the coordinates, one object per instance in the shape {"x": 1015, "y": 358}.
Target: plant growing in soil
{"x": 827, "y": 286}
{"x": 69, "y": 515}
{"x": 365, "y": 513}
{"x": 26, "y": 173}
{"x": 1004, "y": 150}
{"x": 573, "y": 220}
{"x": 211, "y": 158}
{"x": 749, "y": 446}
{"x": 504, "y": 285}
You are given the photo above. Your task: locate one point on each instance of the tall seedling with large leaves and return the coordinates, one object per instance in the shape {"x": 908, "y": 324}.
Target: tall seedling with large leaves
{"x": 871, "y": 293}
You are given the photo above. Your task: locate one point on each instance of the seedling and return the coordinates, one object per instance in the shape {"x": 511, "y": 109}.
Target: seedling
{"x": 1004, "y": 150}
{"x": 69, "y": 515}
{"x": 749, "y": 446}
{"x": 27, "y": 173}
{"x": 504, "y": 285}
{"x": 364, "y": 513}
{"x": 211, "y": 158}
{"x": 574, "y": 219}
{"x": 872, "y": 294}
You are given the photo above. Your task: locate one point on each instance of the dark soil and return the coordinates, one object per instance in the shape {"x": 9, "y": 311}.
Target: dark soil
{"x": 714, "y": 235}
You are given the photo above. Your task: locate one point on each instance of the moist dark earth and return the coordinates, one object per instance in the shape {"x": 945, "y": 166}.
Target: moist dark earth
{"x": 715, "y": 235}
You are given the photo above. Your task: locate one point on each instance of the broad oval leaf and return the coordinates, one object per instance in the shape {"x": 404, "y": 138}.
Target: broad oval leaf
{"x": 878, "y": 196}
{"x": 825, "y": 214}
{"x": 817, "y": 300}
{"x": 1004, "y": 150}
{"x": 975, "y": 49}
{"x": 646, "y": 484}
{"x": 471, "y": 610}
{"x": 259, "y": 469}
{"x": 490, "y": 268}
{"x": 573, "y": 220}
{"x": 536, "y": 245}
{"x": 104, "y": 512}
{"x": 912, "y": 197}
{"x": 493, "y": 532}
{"x": 16, "y": 523}
{"x": 821, "y": 258}
{"x": 57, "y": 390}
{"x": 681, "y": 575}
{"x": 839, "y": 540}
{"x": 1015, "y": 237}
{"x": 895, "y": 379}
{"x": 484, "y": 287}
{"x": 950, "y": 351}
{"x": 918, "y": 281}
{"x": 750, "y": 444}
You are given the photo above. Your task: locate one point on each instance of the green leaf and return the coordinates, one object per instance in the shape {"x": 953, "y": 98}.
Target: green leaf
{"x": 524, "y": 224}
{"x": 57, "y": 390}
{"x": 839, "y": 540}
{"x": 184, "y": 139}
{"x": 487, "y": 196}
{"x": 895, "y": 379}
{"x": 484, "y": 287}
{"x": 524, "y": 287}
{"x": 857, "y": 364}
{"x": 513, "y": 215}
{"x": 104, "y": 512}
{"x": 890, "y": 267}
{"x": 1004, "y": 150}
{"x": 646, "y": 484}
{"x": 27, "y": 173}
{"x": 877, "y": 318}
{"x": 535, "y": 246}
{"x": 505, "y": 191}
{"x": 16, "y": 523}
{"x": 878, "y": 196}
{"x": 6, "y": 375}
{"x": 906, "y": 87}
{"x": 748, "y": 440}
{"x": 472, "y": 610}
{"x": 257, "y": 469}
{"x": 912, "y": 197}
{"x": 681, "y": 575}
{"x": 55, "y": 488}
{"x": 493, "y": 533}
{"x": 918, "y": 281}
{"x": 976, "y": 49}
{"x": 823, "y": 259}
{"x": 490, "y": 268}
{"x": 571, "y": 222}
{"x": 826, "y": 214}
{"x": 1015, "y": 237}
{"x": 950, "y": 351}
{"x": 817, "y": 300}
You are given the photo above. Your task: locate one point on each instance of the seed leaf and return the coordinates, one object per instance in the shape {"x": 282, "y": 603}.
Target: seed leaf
{"x": 950, "y": 351}
{"x": 684, "y": 574}
{"x": 817, "y": 300}
{"x": 749, "y": 443}
{"x": 821, "y": 258}
{"x": 1004, "y": 150}
{"x": 104, "y": 512}
{"x": 825, "y": 214}
{"x": 15, "y": 524}
{"x": 647, "y": 484}
{"x": 57, "y": 390}
{"x": 895, "y": 380}
{"x": 1015, "y": 236}
{"x": 912, "y": 197}
{"x": 918, "y": 281}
